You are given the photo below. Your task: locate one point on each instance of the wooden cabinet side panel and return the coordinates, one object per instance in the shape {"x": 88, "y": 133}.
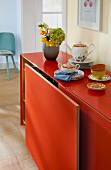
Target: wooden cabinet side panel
{"x": 52, "y": 122}
{"x": 21, "y": 90}
{"x": 95, "y": 137}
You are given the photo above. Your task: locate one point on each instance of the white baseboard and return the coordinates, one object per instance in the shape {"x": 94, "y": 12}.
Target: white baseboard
{"x": 3, "y": 65}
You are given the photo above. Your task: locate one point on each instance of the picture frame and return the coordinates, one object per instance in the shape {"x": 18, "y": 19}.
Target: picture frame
{"x": 90, "y": 14}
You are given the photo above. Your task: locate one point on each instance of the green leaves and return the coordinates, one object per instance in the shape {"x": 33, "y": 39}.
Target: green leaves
{"x": 51, "y": 36}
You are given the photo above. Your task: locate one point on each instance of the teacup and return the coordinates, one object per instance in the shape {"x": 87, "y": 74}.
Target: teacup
{"x": 68, "y": 68}
{"x": 98, "y": 70}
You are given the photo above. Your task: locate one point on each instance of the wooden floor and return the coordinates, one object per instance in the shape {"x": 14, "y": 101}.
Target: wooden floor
{"x": 9, "y": 89}
{"x": 13, "y": 151}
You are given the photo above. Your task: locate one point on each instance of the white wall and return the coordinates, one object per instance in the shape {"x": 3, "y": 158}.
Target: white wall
{"x": 101, "y": 39}
{"x": 18, "y": 17}
{"x": 8, "y": 15}
{"x": 8, "y": 20}
{"x": 19, "y": 30}
{"x": 28, "y": 26}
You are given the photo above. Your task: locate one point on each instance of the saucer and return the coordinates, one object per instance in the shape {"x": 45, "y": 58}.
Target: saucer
{"x": 86, "y": 64}
{"x": 96, "y": 86}
{"x": 78, "y": 76}
{"x": 104, "y": 78}
{"x": 86, "y": 61}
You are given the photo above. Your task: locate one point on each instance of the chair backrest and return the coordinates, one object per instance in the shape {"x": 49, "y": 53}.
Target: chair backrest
{"x": 7, "y": 41}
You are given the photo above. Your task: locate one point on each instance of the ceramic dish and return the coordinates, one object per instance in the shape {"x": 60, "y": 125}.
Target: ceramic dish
{"x": 96, "y": 86}
{"x": 86, "y": 61}
{"x": 104, "y": 78}
{"x": 83, "y": 65}
{"x": 78, "y": 76}
{"x": 68, "y": 67}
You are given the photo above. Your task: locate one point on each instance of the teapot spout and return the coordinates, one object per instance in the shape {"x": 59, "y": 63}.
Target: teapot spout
{"x": 70, "y": 50}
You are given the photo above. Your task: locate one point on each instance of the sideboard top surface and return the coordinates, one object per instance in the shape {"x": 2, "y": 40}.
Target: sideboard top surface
{"x": 99, "y": 100}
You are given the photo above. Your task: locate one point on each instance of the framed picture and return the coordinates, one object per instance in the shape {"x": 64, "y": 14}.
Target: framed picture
{"x": 90, "y": 14}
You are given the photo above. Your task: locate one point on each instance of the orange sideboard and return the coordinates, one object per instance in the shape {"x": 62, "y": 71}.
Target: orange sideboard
{"x": 95, "y": 110}
{"x": 52, "y": 124}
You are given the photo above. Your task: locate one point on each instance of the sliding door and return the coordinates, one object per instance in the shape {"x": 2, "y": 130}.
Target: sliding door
{"x": 52, "y": 124}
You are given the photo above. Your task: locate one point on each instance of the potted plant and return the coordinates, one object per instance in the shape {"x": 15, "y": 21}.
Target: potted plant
{"x": 51, "y": 37}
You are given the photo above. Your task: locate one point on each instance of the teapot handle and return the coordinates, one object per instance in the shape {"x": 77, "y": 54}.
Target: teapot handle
{"x": 92, "y": 49}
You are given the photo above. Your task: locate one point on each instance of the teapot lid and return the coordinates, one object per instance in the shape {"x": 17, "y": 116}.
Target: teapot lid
{"x": 79, "y": 45}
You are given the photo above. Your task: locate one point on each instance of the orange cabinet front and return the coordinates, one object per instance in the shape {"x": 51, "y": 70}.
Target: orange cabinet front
{"x": 52, "y": 124}
{"x": 95, "y": 137}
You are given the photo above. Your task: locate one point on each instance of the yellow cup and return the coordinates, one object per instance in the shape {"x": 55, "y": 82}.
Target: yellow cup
{"x": 98, "y": 70}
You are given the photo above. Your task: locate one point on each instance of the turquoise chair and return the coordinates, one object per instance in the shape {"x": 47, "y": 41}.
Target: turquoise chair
{"x": 7, "y": 49}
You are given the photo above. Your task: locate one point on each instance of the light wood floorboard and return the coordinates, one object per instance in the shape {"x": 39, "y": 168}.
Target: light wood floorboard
{"x": 13, "y": 152}
{"x": 9, "y": 89}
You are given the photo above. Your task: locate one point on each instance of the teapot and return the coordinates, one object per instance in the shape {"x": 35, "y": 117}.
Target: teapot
{"x": 80, "y": 51}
